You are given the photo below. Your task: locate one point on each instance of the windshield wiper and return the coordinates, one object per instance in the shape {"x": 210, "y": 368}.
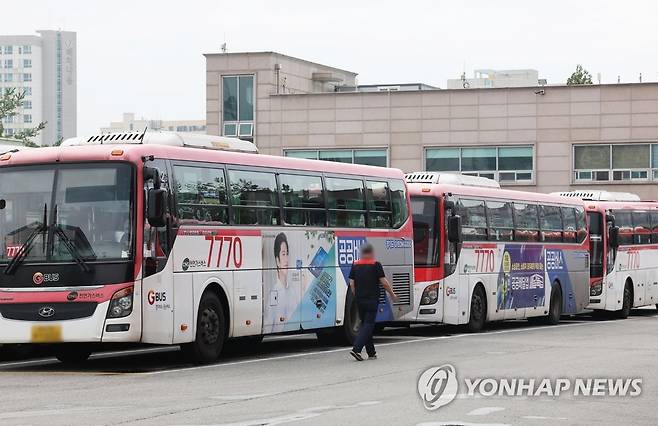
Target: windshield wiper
{"x": 27, "y": 246}
{"x": 79, "y": 259}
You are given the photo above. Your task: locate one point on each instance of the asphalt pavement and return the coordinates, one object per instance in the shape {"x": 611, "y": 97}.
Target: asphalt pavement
{"x": 295, "y": 380}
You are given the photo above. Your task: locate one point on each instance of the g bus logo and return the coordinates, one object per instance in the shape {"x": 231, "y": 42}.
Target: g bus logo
{"x": 156, "y": 296}
{"x": 37, "y": 278}
{"x": 437, "y": 386}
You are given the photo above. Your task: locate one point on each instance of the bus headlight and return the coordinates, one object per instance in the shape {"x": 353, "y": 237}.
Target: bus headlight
{"x": 596, "y": 288}
{"x": 430, "y": 294}
{"x": 121, "y": 304}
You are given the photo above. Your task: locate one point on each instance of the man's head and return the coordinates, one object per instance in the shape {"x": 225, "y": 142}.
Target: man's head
{"x": 367, "y": 251}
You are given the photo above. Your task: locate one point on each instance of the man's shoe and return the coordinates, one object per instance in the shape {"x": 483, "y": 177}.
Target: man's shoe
{"x": 374, "y": 356}
{"x": 357, "y": 356}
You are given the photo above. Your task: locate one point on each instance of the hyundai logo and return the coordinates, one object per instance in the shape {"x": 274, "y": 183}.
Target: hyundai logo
{"x": 46, "y": 311}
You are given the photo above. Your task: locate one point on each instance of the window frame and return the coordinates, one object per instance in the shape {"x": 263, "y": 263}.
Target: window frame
{"x": 352, "y": 150}
{"x": 578, "y": 175}
{"x": 174, "y": 180}
{"x": 491, "y": 174}
{"x": 238, "y": 122}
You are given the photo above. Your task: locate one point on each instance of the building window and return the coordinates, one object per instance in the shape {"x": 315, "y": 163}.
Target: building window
{"x": 27, "y": 63}
{"x": 27, "y": 104}
{"x": 27, "y": 90}
{"x": 9, "y": 131}
{"x": 27, "y": 49}
{"x": 506, "y": 164}
{"x": 8, "y": 77}
{"x": 238, "y": 105}
{"x": 605, "y": 163}
{"x": 27, "y": 76}
{"x": 9, "y": 63}
{"x": 27, "y": 118}
{"x": 369, "y": 157}
{"x": 9, "y": 50}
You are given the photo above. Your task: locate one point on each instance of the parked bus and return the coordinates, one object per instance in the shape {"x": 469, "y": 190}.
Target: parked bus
{"x": 623, "y": 250}
{"x": 485, "y": 254}
{"x": 149, "y": 238}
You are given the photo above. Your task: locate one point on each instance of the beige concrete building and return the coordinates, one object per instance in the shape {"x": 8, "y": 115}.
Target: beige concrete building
{"x": 538, "y": 138}
{"x": 131, "y": 124}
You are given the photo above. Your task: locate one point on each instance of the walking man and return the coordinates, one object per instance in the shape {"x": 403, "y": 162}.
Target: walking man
{"x": 365, "y": 278}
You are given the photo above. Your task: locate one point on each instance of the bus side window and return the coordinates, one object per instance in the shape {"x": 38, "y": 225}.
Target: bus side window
{"x": 624, "y": 221}
{"x": 346, "y": 202}
{"x": 581, "y": 224}
{"x": 550, "y": 223}
{"x": 526, "y": 221}
{"x": 399, "y": 206}
{"x": 379, "y": 204}
{"x": 255, "y": 198}
{"x": 570, "y": 225}
{"x": 474, "y": 219}
{"x": 303, "y": 200}
{"x": 654, "y": 227}
{"x": 201, "y": 197}
{"x": 501, "y": 225}
{"x": 642, "y": 228}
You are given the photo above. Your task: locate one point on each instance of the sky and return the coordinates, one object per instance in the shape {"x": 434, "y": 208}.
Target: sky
{"x": 146, "y": 56}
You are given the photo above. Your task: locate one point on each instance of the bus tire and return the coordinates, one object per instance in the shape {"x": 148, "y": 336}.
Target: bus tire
{"x": 344, "y": 335}
{"x": 627, "y": 301}
{"x": 478, "y": 311}
{"x": 555, "y": 305}
{"x": 210, "y": 331}
{"x": 73, "y": 353}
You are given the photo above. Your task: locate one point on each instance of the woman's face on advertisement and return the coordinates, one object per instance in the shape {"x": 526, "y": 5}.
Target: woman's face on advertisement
{"x": 282, "y": 260}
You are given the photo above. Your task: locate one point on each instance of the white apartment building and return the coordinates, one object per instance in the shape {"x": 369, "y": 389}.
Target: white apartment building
{"x": 131, "y": 124}
{"x": 44, "y": 66}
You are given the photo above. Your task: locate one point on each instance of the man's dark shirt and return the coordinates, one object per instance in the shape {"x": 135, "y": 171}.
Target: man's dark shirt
{"x": 366, "y": 275}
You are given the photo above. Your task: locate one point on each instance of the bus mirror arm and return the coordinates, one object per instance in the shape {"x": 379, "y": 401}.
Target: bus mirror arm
{"x": 613, "y": 237}
{"x": 455, "y": 229}
{"x": 156, "y": 207}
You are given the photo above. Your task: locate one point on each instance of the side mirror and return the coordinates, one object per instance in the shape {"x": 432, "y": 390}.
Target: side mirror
{"x": 455, "y": 229}
{"x": 613, "y": 237}
{"x": 156, "y": 207}
{"x": 152, "y": 173}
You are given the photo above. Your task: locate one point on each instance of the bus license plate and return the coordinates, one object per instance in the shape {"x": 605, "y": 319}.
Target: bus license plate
{"x": 46, "y": 333}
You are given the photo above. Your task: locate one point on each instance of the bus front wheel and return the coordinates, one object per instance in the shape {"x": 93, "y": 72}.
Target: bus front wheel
{"x": 478, "y": 314}
{"x": 210, "y": 331}
{"x": 555, "y": 307}
{"x": 626, "y": 303}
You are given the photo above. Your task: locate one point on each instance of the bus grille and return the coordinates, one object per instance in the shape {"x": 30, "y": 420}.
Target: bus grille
{"x": 60, "y": 311}
{"x": 401, "y": 287}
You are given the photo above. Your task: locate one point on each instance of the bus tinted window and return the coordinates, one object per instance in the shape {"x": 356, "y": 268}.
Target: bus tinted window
{"x": 474, "y": 219}
{"x": 346, "y": 202}
{"x": 551, "y": 223}
{"x": 303, "y": 200}
{"x": 500, "y": 220}
{"x": 201, "y": 195}
{"x": 255, "y": 197}
{"x": 624, "y": 220}
{"x": 527, "y": 222}
{"x": 398, "y": 202}
{"x": 379, "y": 204}
{"x": 642, "y": 228}
{"x": 426, "y": 230}
{"x": 654, "y": 227}
{"x": 570, "y": 226}
{"x": 581, "y": 225}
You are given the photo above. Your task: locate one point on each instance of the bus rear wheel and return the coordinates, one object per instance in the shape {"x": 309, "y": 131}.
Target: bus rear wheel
{"x": 555, "y": 306}
{"x": 73, "y": 353}
{"x": 626, "y": 303}
{"x": 478, "y": 314}
{"x": 344, "y": 335}
{"x": 210, "y": 331}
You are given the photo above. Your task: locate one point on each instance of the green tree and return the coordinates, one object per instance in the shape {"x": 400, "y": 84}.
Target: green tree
{"x": 10, "y": 102}
{"x": 580, "y": 76}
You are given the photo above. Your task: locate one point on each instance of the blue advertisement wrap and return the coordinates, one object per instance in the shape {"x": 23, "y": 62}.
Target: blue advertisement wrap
{"x": 521, "y": 282}
{"x": 556, "y": 267}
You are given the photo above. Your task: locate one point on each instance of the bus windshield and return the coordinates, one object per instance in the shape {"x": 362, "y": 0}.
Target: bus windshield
{"x": 596, "y": 244}
{"x": 426, "y": 230}
{"x": 67, "y": 212}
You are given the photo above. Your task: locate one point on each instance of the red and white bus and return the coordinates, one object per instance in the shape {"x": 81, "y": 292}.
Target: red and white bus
{"x": 485, "y": 254}
{"x": 624, "y": 250}
{"x": 148, "y": 238}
